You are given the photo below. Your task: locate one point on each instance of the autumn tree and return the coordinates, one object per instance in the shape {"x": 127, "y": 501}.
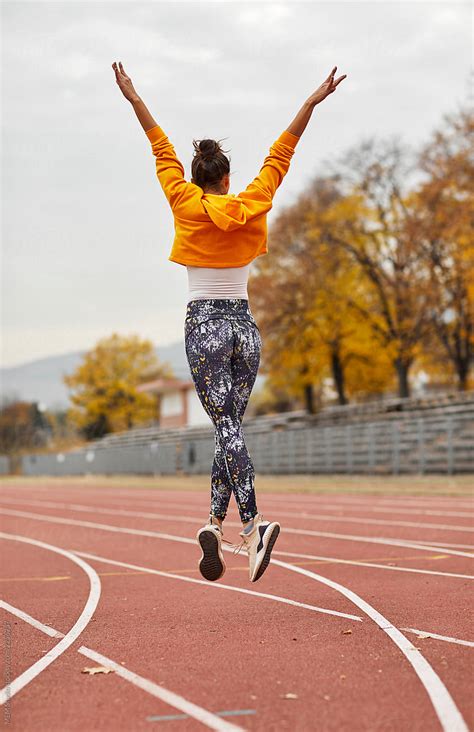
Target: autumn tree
{"x": 104, "y": 386}
{"x": 312, "y": 332}
{"x": 23, "y": 426}
{"x": 280, "y": 302}
{"x": 376, "y": 225}
{"x": 445, "y": 206}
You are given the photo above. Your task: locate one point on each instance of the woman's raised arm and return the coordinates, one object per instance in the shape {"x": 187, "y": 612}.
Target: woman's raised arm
{"x": 169, "y": 169}
{"x": 126, "y": 87}
{"x": 298, "y": 126}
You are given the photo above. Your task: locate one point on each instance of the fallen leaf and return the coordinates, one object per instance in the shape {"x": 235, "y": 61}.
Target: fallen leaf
{"x": 290, "y": 696}
{"x": 423, "y": 635}
{"x": 92, "y": 670}
{"x": 346, "y": 632}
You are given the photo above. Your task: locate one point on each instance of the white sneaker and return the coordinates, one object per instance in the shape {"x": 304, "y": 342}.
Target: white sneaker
{"x": 259, "y": 544}
{"x": 211, "y": 564}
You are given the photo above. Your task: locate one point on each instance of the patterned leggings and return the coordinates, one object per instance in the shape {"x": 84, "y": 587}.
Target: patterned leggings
{"x": 223, "y": 345}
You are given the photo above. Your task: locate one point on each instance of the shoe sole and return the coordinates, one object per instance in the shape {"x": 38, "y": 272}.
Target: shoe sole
{"x": 266, "y": 559}
{"x": 211, "y": 565}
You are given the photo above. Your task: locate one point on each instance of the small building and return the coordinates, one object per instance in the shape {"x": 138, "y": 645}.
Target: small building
{"x": 179, "y": 404}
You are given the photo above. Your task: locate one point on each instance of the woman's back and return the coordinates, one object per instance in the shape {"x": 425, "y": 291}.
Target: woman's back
{"x": 218, "y": 282}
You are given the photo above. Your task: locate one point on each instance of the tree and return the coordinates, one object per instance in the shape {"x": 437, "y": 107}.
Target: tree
{"x": 23, "y": 425}
{"x": 445, "y": 203}
{"x": 104, "y": 386}
{"x": 377, "y": 227}
{"x": 312, "y": 331}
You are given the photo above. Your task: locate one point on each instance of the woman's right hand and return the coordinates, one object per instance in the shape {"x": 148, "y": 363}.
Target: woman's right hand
{"x": 327, "y": 87}
{"x": 124, "y": 82}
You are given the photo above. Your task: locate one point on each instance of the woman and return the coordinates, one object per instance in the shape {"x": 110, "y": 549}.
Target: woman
{"x": 217, "y": 235}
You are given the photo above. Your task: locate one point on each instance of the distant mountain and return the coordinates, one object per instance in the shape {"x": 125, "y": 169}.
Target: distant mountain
{"x": 41, "y": 380}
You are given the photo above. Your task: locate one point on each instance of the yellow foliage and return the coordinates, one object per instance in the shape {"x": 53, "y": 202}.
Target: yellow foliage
{"x": 104, "y": 386}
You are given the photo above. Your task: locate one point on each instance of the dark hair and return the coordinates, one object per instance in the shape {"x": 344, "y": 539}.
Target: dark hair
{"x": 209, "y": 163}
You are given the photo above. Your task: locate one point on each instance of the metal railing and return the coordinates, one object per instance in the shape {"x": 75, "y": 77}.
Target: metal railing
{"x": 396, "y": 444}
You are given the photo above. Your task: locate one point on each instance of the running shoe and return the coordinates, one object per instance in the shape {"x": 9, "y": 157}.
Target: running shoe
{"x": 259, "y": 544}
{"x": 211, "y": 564}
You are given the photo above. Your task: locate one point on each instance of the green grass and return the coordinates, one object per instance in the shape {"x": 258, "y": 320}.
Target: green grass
{"x": 410, "y": 485}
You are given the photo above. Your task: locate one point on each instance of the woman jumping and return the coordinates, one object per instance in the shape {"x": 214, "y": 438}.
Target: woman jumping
{"x": 217, "y": 235}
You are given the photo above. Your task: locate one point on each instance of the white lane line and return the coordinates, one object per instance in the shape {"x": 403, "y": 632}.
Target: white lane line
{"x": 300, "y": 515}
{"x": 304, "y": 532}
{"x": 362, "y": 563}
{"x": 267, "y": 500}
{"x": 436, "y": 636}
{"x": 444, "y": 543}
{"x": 382, "y": 522}
{"x": 56, "y": 634}
{"x": 429, "y": 503}
{"x": 28, "y": 619}
{"x": 448, "y": 714}
{"x": 149, "y": 570}
{"x": 379, "y": 509}
{"x": 169, "y": 697}
{"x": 90, "y": 509}
{"x": 189, "y": 519}
{"x": 24, "y": 678}
{"x": 353, "y": 497}
{"x": 220, "y": 586}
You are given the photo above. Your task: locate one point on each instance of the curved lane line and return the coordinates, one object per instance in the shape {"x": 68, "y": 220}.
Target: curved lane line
{"x": 448, "y": 714}
{"x": 220, "y": 586}
{"x": 89, "y": 608}
{"x": 372, "y": 565}
{"x": 141, "y": 532}
{"x": 150, "y": 570}
{"x": 169, "y": 697}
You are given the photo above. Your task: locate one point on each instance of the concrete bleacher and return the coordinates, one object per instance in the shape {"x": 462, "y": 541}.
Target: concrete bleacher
{"x": 431, "y": 434}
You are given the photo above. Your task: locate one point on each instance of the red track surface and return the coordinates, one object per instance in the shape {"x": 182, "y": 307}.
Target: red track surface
{"x": 227, "y": 650}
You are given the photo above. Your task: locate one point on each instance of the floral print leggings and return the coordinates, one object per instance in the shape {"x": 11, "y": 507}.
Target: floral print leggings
{"x": 223, "y": 346}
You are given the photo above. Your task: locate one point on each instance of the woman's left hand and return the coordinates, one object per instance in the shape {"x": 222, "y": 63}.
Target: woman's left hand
{"x": 124, "y": 82}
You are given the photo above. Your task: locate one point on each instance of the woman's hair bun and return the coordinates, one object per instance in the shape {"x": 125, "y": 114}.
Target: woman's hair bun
{"x": 207, "y": 148}
{"x": 209, "y": 164}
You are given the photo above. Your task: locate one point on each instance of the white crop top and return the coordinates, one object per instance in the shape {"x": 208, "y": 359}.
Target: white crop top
{"x": 218, "y": 282}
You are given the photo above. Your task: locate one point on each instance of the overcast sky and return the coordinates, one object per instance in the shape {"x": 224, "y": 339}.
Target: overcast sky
{"x": 86, "y": 228}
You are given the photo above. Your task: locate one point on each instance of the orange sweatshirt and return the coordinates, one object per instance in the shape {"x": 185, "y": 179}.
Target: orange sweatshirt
{"x": 213, "y": 230}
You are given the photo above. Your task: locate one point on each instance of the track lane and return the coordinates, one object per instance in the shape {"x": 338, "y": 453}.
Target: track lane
{"x": 365, "y": 643}
{"x": 139, "y": 522}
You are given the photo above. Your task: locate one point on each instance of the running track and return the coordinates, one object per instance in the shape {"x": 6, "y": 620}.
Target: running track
{"x": 328, "y": 639}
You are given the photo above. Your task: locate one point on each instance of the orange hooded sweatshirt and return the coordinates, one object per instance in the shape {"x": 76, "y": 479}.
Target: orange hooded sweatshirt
{"x": 213, "y": 230}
